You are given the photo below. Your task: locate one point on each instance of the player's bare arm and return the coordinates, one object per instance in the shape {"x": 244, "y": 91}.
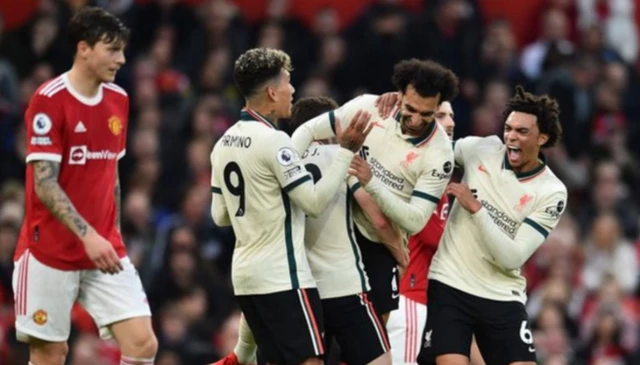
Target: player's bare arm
{"x": 45, "y": 175}
{"x": 49, "y": 191}
{"x": 117, "y": 198}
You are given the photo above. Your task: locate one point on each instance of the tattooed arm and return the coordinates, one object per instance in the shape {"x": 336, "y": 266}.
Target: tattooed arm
{"x": 51, "y": 194}
{"x": 48, "y": 190}
{"x": 116, "y": 195}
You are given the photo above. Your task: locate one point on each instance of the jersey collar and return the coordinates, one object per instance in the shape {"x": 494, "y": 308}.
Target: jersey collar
{"x": 249, "y": 115}
{"x": 523, "y": 176}
{"x": 416, "y": 141}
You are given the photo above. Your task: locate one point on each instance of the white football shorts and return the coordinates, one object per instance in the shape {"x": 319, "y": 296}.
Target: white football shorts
{"x": 405, "y": 326}
{"x": 44, "y": 297}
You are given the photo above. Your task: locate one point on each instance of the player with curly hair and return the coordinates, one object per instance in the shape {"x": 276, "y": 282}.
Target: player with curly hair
{"x": 506, "y": 205}
{"x": 412, "y": 160}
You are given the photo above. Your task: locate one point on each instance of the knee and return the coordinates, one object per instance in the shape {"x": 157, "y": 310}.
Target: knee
{"x": 48, "y": 353}
{"x": 146, "y": 346}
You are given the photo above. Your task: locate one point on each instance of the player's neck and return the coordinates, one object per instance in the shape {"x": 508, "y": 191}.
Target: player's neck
{"x": 83, "y": 82}
{"x": 264, "y": 109}
{"x": 531, "y": 164}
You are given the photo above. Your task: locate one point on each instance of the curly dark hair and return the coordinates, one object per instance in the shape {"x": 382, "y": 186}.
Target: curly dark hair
{"x": 92, "y": 25}
{"x": 429, "y": 78}
{"x": 309, "y": 108}
{"x": 257, "y": 66}
{"x": 544, "y": 107}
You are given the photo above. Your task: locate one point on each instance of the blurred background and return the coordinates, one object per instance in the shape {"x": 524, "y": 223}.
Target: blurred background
{"x": 583, "y": 282}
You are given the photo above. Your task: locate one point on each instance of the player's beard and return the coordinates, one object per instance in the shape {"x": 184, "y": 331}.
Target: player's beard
{"x": 416, "y": 131}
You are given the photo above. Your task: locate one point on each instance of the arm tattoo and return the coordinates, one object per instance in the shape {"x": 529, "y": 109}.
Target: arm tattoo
{"x": 45, "y": 175}
{"x": 116, "y": 195}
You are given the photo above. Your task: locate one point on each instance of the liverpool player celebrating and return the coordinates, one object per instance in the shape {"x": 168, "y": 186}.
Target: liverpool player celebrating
{"x": 506, "y": 205}
{"x": 70, "y": 247}
{"x": 406, "y": 323}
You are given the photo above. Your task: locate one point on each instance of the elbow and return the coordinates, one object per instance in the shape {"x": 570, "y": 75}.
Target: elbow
{"x": 314, "y": 210}
{"x": 414, "y": 226}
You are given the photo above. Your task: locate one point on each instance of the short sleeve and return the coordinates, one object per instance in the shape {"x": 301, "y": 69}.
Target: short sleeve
{"x": 125, "y": 130}
{"x": 44, "y": 123}
{"x": 548, "y": 212}
{"x": 285, "y": 163}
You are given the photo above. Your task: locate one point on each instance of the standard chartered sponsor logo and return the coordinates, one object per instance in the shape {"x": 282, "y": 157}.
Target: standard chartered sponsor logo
{"x": 507, "y": 224}
{"x": 386, "y": 176}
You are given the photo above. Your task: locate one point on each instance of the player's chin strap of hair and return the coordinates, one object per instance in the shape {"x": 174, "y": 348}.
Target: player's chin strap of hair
{"x": 126, "y": 360}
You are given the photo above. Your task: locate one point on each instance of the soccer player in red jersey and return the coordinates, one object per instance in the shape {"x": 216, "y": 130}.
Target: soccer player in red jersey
{"x": 70, "y": 247}
{"x": 405, "y": 324}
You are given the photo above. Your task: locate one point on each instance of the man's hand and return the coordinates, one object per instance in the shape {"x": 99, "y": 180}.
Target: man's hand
{"x": 101, "y": 253}
{"x": 386, "y": 102}
{"x": 360, "y": 169}
{"x": 354, "y": 136}
{"x": 464, "y": 196}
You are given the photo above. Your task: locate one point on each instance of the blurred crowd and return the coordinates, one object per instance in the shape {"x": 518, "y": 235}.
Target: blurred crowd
{"x": 583, "y": 282}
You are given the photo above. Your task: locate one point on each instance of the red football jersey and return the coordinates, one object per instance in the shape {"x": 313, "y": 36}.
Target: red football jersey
{"x": 422, "y": 247}
{"x": 86, "y": 136}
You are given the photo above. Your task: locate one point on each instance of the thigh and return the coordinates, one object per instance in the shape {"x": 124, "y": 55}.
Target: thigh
{"x": 43, "y": 298}
{"x": 503, "y": 333}
{"x": 357, "y": 327}
{"x": 449, "y": 324}
{"x": 113, "y": 298}
{"x": 382, "y": 272}
{"x": 289, "y": 325}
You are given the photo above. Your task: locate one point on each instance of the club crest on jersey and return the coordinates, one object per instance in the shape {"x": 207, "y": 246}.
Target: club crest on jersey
{"x": 42, "y": 124}
{"x": 286, "y": 156}
{"x": 115, "y": 125}
{"x": 40, "y": 317}
{"x": 447, "y": 167}
{"x": 409, "y": 158}
{"x": 524, "y": 200}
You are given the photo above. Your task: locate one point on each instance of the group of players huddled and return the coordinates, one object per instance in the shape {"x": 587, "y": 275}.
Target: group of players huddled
{"x": 343, "y": 229}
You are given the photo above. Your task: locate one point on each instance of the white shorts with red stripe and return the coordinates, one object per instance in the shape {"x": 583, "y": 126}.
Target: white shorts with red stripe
{"x": 405, "y": 326}
{"x": 44, "y": 297}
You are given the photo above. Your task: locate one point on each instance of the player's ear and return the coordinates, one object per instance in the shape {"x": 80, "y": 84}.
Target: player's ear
{"x": 271, "y": 93}
{"x": 82, "y": 48}
{"x": 542, "y": 139}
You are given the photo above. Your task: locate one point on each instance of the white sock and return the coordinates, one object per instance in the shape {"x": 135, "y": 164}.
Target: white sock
{"x": 246, "y": 346}
{"x": 126, "y": 360}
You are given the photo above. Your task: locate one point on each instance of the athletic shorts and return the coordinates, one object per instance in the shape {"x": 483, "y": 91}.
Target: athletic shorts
{"x": 356, "y": 327}
{"x": 44, "y": 297}
{"x": 405, "y": 327}
{"x": 501, "y": 328}
{"x": 288, "y": 326}
{"x": 382, "y": 272}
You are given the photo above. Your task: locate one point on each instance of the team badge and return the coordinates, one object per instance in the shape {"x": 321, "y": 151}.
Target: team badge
{"x": 40, "y": 317}
{"x": 42, "y": 124}
{"x": 115, "y": 125}
{"x": 560, "y": 206}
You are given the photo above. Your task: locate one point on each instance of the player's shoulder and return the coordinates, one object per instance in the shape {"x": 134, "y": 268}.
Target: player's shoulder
{"x": 364, "y": 101}
{"x": 490, "y": 143}
{"x": 550, "y": 184}
{"x": 112, "y": 90}
{"x": 50, "y": 89}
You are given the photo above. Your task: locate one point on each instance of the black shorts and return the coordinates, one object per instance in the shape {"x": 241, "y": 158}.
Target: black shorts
{"x": 501, "y": 328}
{"x": 356, "y": 327}
{"x": 288, "y": 326}
{"x": 382, "y": 272}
